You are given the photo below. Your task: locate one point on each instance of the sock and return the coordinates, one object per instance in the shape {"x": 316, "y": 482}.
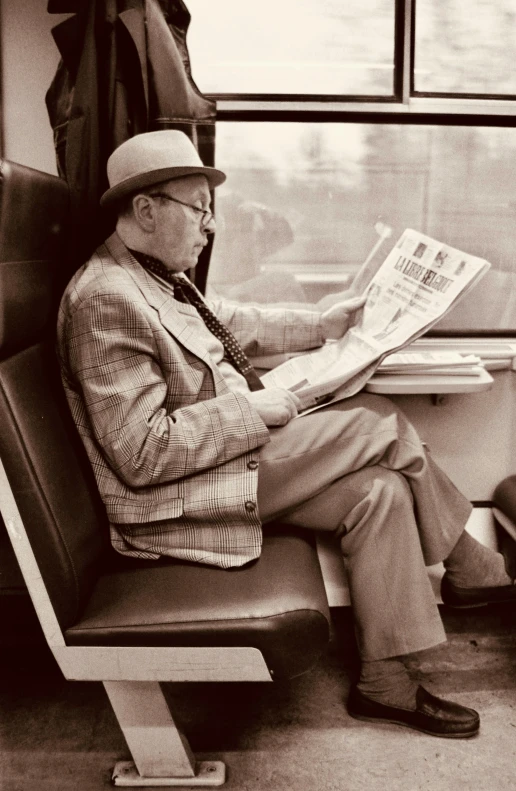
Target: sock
{"x": 472, "y": 565}
{"x": 387, "y": 681}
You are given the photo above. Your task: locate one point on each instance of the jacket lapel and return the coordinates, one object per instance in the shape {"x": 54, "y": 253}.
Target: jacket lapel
{"x": 171, "y": 313}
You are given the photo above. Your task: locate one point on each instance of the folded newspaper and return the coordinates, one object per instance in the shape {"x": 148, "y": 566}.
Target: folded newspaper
{"x": 418, "y": 283}
{"x": 431, "y": 363}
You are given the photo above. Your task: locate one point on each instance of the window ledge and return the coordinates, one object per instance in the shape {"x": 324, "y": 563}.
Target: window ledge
{"x": 420, "y": 105}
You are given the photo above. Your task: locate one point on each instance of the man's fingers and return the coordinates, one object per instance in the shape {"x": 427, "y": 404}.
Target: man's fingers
{"x": 276, "y": 406}
{"x": 357, "y": 302}
{"x": 295, "y": 400}
{"x": 290, "y": 405}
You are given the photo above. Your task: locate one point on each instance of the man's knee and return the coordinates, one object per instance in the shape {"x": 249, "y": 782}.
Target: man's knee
{"x": 394, "y": 487}
{"x": 384, "y": 482}
{"x": 382, "y": 501}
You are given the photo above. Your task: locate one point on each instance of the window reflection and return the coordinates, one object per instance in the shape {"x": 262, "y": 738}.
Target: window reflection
{"x": 304, "y": 205}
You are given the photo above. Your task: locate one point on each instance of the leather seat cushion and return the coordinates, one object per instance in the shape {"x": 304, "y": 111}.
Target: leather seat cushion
{"x": 276, "y": 604}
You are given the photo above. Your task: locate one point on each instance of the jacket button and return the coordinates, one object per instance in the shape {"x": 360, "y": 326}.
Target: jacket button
{"x": 250, "y": 506}
{"x": 252, "y": 465}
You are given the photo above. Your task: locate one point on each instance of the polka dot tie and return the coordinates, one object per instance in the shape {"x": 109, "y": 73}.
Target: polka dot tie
{"x": 184, "y": 291}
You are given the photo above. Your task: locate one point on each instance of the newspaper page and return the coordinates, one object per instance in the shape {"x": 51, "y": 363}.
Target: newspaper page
{"x": 420, "y": 280}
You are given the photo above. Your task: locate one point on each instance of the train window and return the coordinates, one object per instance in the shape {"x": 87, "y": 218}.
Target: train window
{"x": 465, "y": 47}
{"x": 305, "y": 204}
{"x": 341, "y": 124}
{"x": 293, "y": 47}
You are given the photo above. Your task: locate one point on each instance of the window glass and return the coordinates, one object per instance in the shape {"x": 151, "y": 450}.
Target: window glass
{"x": 305, "y": 205}
{"x": 292, "y": 46}
{"x": 465, "y": 46}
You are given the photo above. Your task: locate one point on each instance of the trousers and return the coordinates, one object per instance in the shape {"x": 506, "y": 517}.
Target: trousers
{"x": 358, "y": 469}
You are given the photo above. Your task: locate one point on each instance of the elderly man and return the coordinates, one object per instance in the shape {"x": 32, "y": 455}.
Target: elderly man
{"x": 192, "y": 455}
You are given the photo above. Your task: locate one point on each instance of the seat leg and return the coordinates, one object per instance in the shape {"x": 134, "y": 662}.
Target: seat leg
{"x": 161, "y": 754}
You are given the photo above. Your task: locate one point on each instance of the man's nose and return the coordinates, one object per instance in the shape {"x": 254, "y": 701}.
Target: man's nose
{"x": 210, "y": 225}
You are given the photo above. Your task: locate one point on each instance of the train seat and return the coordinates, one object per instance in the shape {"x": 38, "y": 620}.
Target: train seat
{"x": 130, "y": 624}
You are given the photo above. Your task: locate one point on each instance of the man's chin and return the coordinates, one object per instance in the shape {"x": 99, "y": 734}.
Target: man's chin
{"x": 186, "y": 265}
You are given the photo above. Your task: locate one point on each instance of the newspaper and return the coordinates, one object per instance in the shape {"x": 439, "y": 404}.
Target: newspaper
{"x": 431, "y": 362}
{"x": 418, "y": 283}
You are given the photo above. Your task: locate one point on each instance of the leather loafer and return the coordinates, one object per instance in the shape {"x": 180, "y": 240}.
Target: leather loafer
{"x": 432, "y": 715}
{"x": 462, "y": 598}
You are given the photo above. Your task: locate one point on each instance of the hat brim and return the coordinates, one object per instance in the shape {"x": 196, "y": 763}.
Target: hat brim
{"x": 142, "y": 180}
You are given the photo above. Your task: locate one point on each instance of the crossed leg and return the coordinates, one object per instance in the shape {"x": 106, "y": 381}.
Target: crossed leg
{"x": 359, "y": 469}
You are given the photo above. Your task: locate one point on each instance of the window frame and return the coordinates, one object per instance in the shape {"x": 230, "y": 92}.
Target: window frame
{"x": 405, "y": 104}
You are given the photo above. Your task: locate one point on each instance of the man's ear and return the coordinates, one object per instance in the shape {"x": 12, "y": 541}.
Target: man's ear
{"x": 144, "y": 210}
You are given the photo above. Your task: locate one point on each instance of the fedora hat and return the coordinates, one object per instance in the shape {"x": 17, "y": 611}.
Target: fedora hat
{"x": 150, "y": 158}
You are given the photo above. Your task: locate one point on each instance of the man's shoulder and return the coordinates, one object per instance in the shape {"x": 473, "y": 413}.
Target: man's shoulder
{"x": 102, "y": 275}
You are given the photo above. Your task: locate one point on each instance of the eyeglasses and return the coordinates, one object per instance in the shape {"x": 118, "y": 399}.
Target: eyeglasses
{"x": 206, "y": 216}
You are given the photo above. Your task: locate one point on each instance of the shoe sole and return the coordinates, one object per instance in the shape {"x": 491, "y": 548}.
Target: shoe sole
{"x": 382, "y": 721}
{"x": 468, "y": 598}
{"x": 477, "y": 604}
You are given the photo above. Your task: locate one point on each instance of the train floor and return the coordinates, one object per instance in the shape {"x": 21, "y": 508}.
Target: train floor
{"x": 58, "y": 735}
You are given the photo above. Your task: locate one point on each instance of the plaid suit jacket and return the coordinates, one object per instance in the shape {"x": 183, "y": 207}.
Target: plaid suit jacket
{"x": 174, "y": 451}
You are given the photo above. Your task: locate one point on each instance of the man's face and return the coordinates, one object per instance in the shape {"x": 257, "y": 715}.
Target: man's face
{"x": 179, "y": 236}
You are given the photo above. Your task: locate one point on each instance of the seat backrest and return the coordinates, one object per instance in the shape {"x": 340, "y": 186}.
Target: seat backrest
{"x": 43, "y": 456}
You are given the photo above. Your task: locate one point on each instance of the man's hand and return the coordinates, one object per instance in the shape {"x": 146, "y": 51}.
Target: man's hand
{"x": 337, "y": 320}
{"x": 275, "y": 405}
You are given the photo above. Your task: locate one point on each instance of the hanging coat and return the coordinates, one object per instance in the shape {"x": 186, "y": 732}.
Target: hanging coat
{"x": 124, "y": 70}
